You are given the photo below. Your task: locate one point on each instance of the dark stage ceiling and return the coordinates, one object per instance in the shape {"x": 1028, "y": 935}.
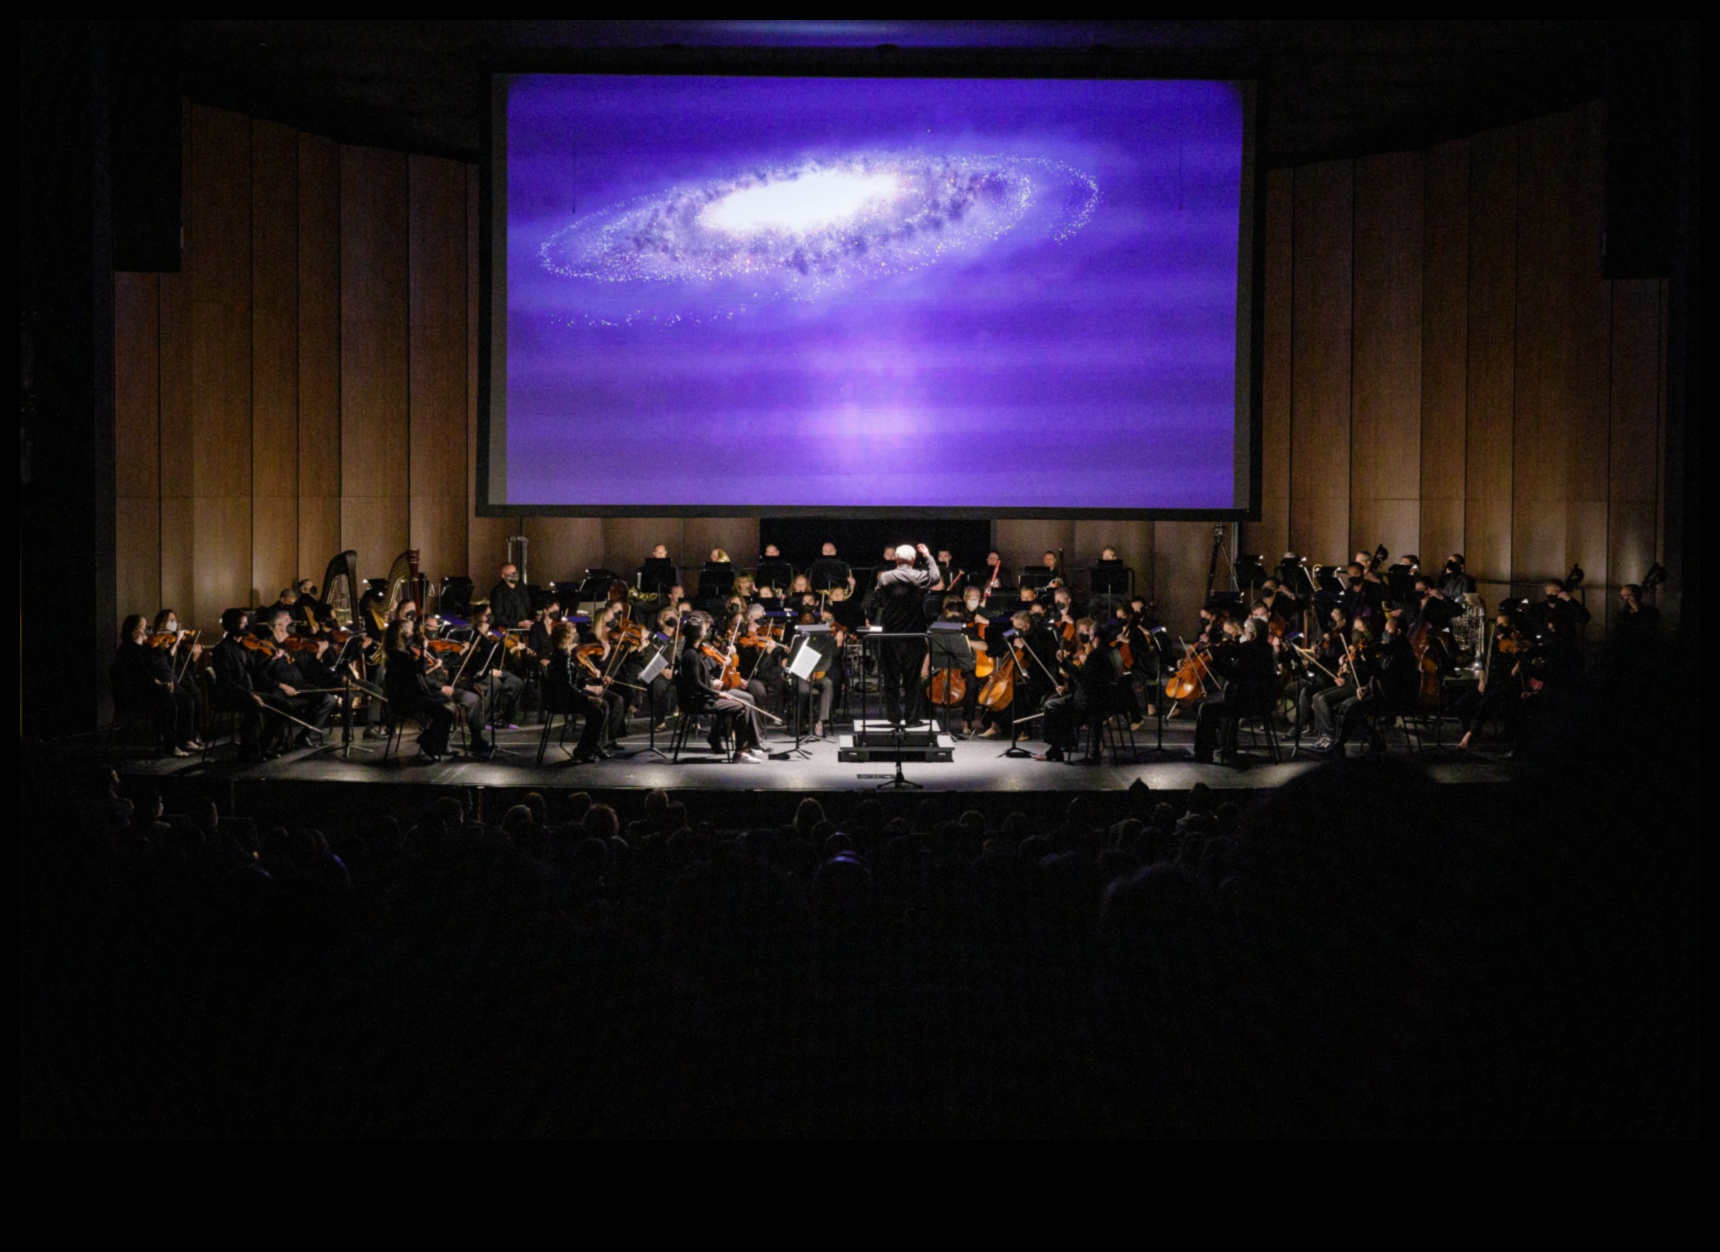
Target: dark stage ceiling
{"x": 1330, "y": 88}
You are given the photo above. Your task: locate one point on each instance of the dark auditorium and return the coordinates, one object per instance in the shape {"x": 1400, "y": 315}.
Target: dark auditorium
{"x": 859, "y": 579}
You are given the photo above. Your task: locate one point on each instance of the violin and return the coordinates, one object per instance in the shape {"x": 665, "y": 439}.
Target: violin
{"x": 260, "y": 646}
{"x": 163, "y": 639}
{"x": 445, "y": 646}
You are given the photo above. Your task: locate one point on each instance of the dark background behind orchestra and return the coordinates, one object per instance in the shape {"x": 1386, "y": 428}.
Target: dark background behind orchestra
{"x": 860, "y": 540}
{"x": 1445, "y": 367}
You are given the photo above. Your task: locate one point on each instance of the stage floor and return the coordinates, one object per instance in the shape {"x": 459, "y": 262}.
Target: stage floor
{"x": 979, "y": 765}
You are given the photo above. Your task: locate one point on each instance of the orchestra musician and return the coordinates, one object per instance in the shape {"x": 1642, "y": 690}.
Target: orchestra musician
{"x": 602, "y": 663}
{"x": 487, "y": 674}
{"x": 1387, "y": 681}
{"x": 700, "y": 692}
{"x": 509, "y": 599}
{"x": 900, "y": 597}
{"x": 1247, "y": 669}
{"x": 1093, "y": 671}
{"x": 148, "y": 674}
{"x": 233, "y": 688}
{"x": 418, "y": 686}
{"x": 1499, "y": 684}
{"x": 286, "y": 686}
{"x": 570, "y": 688}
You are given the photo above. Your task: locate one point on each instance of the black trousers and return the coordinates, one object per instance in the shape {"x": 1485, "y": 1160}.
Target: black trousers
{"x": 900, "y": 661}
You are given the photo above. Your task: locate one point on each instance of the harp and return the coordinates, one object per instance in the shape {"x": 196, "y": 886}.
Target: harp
{"x": 406, "y": 583}
{"x": 340, "y": 590}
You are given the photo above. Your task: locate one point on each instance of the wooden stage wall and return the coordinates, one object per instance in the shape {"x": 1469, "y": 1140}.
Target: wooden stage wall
{"x": 1445, "y": 370}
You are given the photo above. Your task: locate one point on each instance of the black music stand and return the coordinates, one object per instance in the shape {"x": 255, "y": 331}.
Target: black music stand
{"x": 648, "y": 674}
{"x": 493, "y": 661}
{"x": 804, "y": 659}
{"x": 658, "y": 574}
{"x": 716, "y": 581}
{"x": 773, "y": 572}
{"x": 828, "y": 572}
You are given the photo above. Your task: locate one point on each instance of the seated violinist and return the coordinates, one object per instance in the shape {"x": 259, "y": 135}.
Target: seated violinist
{"x": 700, "y": 691}
{"x": 570, "y": 688}
{"x": 285, "y": 686}
{"x": 416, "y": 690}
{"x": 601, "y": 661}
{"x": 233, "y": 688}
{"x": 487, "y": 673}
{"x": 148, "y": 675}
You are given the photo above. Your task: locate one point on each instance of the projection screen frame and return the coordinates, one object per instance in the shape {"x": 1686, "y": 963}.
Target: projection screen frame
{"x": 878, "y": 63}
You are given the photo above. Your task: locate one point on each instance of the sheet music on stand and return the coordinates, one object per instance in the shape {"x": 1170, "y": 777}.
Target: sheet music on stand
{"x": 803, "y": 658}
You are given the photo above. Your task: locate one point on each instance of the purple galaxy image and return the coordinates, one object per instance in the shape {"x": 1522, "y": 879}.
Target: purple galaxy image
{"x": 871, "y": 293}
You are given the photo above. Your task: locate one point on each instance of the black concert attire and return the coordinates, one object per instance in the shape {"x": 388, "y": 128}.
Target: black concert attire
{"x": 1092, "y": 696}
{"x": 1315, "y": 677}
{"x": 1396, "y": 679}
{"x": 283, "y": 670}
{"x": 412, "y": 692}
{"x": 499, "y": 692}
{"x": 900, "y": 599}
{"x": 234, "y": 690}
{"x": 1475, "y": 706}
{"x": 1568, "y": 617}
{"x": 142, "y": 678}
{"x": 564, "y": 691}
{"x": 661, "y": 693}
{"x": 766, "y": 678}
{"x": 614, "y": 699}
{"x": 509, "y": 606}
{"x": 539, "y": 638}
{"x": 1249, "y": 669}
{"x": 730, "y": 711}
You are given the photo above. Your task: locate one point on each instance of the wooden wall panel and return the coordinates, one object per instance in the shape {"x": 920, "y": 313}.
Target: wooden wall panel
{"x": 1024, "y": 541}
{"x": 319, "y": 534}
{"x": 1321, "y": 341}
{"x": 1489, "y": 379}
{"x": 274, "y": 358}
{"x": 137, "y": 386}
{"x": 137, "y": 435}
{"x": 738, "y": 536}
{"x": 628, "y": 540}
{"x": 319, "y": 322}
{"x": 1270, "y": 536}
{"x": 562, "y": 548}
{"x": 137, "y": 556}
{"x": 374, "y": 432}
{"x": 1632, "y": 461}
{"x": 1385, "y": 400}
{"x": 1444, "y": 349}
{"x": 1543, "y": 350}
{"x": 486, "y": 537}
{"x": 376, "y": 528}
{"x": 275, "y": 547}
{"x": 175, "y": 342}
{"x": 178, "y": 559}
{"x": 1588, "y": 370}
{"x": 222, "y": 576}
{"x": 1133, "y": 541}
{"x": 221, "y": 305}
{"x": 437, "y": 352}
{"x": 1182, "y": 553}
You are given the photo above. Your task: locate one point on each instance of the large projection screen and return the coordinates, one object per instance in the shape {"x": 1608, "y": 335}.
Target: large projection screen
{"x": 869, "y": 296}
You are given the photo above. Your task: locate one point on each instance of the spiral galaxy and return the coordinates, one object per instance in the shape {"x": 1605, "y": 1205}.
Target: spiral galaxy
{"x": 805, "y": 231}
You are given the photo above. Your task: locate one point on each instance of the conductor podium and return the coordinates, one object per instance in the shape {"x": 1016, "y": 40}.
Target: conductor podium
{"x": 883, "y": 741}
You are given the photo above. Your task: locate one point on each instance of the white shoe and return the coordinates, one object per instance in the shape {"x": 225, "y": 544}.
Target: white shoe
{"x": 748, "y": 757}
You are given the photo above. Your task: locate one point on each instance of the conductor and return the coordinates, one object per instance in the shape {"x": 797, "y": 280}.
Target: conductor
{"x": 900, "y": 598}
